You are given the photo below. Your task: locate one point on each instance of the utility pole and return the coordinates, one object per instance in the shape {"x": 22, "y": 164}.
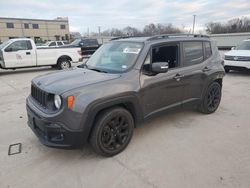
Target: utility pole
{"x": 88, "y": 32}
{"x": 99, "y": 30}
{"x": 194, "y": 23}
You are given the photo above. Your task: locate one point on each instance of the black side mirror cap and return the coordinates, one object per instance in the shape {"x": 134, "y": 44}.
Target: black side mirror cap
{"x": 160, "y": 67}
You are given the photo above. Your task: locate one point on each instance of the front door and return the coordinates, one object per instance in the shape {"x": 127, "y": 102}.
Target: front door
{"x": 19, "y": 54}
{"x": 162, "y": 91}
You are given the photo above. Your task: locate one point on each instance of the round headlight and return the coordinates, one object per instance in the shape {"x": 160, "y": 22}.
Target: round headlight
{"x": 57, "y": 101}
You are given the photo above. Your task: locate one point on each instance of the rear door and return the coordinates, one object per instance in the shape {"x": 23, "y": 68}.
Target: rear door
{"x": 195, "y": 60}
{"x": 20, "y": 54}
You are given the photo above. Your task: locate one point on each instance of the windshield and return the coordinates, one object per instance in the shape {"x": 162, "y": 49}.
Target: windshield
{"x": 115, "y": 57}
{"x": 6, "y": 43}
{"x": 46, "y": 44}
{"x": 245, "y": 45}
{"x": 75, "y": 42}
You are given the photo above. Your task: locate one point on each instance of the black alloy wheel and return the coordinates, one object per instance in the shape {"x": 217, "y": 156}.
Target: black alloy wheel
{"x": 212, "y": 98}
{"x": 112, "y": 132}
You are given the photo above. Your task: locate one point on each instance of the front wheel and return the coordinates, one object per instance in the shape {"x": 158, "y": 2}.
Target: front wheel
{"x": 211, "y": 99}
{"x": 112, "y": 131}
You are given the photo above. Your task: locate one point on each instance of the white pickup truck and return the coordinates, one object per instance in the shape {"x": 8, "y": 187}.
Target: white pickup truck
{"x": 22, "y": 52}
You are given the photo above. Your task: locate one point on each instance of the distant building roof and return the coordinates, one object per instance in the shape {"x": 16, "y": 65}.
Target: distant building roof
{"x": 58, "y": 19}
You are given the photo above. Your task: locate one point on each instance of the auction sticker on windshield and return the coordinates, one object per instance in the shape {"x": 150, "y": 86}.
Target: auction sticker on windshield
{"x": 132, "y": 50}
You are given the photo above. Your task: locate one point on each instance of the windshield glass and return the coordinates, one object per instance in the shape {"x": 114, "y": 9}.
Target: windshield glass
{"x": 115, "y": 57}
{"x": 245, "y": 45}
{"x": 5, "y": 44}
{"x": 75, "y": 42}
{"x": 47, "y": 43}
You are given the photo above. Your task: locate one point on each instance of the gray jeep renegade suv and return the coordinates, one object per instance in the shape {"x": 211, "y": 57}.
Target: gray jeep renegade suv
{"x": 125, "y": 82}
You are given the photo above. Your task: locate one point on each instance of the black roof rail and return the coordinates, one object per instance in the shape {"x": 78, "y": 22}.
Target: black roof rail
{"x": 124, "y": 37}
{"x": 157, "y": 37}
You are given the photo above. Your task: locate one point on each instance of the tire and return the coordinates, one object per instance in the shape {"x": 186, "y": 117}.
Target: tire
{"x": 227, "y": 70}
{"x": 63, "y": 64}
{"x": 112, "y": 131}
{"x": 211, "y": 99}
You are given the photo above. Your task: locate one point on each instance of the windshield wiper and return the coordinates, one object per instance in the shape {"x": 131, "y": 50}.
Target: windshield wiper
{"x": 98, "y": 70}
{"x": 82, "y": 65}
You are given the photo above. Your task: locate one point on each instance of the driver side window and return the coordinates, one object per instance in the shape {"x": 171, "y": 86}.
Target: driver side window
{"x": 167, "y": 53}
{"x": 17, "y": 45}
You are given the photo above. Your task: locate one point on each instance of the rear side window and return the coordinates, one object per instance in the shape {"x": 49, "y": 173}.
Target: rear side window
{"x": 93, "y": 42}
{"x": 52, "y": 44}
{"x": 193, "y": 53}
{"x": 208, "y": 49}
{"x": 59, "y": 43}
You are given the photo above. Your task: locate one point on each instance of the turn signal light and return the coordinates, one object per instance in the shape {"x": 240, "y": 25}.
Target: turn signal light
{"x": 70, "y": 101}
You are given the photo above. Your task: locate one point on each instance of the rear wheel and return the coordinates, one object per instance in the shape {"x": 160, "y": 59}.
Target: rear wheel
{"x": 63, "y": 64}
{"x": 112, "y": 132}
{"x": 211, "y": 99}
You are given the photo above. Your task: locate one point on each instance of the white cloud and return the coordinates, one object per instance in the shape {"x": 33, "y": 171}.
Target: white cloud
{"x": 85, "y": 14}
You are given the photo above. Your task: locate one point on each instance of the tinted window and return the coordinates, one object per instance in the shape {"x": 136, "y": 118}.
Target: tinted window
{"x": 9, "y": 25}
{"x": 52, "y": 44}
{"x": 35, "y": 26}
{"x": 18, "y": 45}
{"x": 92, "y": 42}
{"x": 167, "y": 54}
{"x": 26, "y": 26}
{"x": 59, "y": 43}
{"x": 208, "y": 50}
{"x": 193, "y": 53}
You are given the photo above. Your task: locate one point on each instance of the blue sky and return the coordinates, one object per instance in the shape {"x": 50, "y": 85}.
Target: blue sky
{"x": 85, "y": 14}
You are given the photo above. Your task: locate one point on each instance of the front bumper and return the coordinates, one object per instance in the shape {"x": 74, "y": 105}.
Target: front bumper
{"x": 239, "y": 64}
{"x": 53, "y": 134}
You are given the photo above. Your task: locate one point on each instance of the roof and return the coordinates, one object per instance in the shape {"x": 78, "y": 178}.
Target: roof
{"x": 28, "y": 19}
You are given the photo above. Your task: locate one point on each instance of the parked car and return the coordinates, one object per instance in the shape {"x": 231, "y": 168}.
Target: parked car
{"x": 239, "y": 57}
{"x": 22, "y": 52}
{"x": 53, "y": 44}
{"x": 124, "y": 83}
{"x": 87, "y": 45}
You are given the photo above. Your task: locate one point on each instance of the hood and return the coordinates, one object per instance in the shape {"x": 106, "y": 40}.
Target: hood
{"x": 64, "y": 81}
{"x": 245, "y": 53}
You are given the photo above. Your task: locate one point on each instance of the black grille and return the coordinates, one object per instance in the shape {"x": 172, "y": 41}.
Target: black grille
{"x": 39, "y": 95}
{"x": 237, "y": 58}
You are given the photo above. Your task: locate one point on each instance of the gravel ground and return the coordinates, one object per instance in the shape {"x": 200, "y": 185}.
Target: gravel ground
{"x": 181, "y": 149}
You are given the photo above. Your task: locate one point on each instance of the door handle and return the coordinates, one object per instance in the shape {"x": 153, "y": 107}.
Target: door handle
{"x": 206, "y": 69}
{"x": 178, "y": 77}
{"x": 27, "y": 53}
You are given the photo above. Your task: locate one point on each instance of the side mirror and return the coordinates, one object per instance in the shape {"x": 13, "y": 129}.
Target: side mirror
{"x": 81, "y": 43}
{"x": 8, "y": 50}
{"x": 160, "y": 67}
{"x": 233, "y": 48}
